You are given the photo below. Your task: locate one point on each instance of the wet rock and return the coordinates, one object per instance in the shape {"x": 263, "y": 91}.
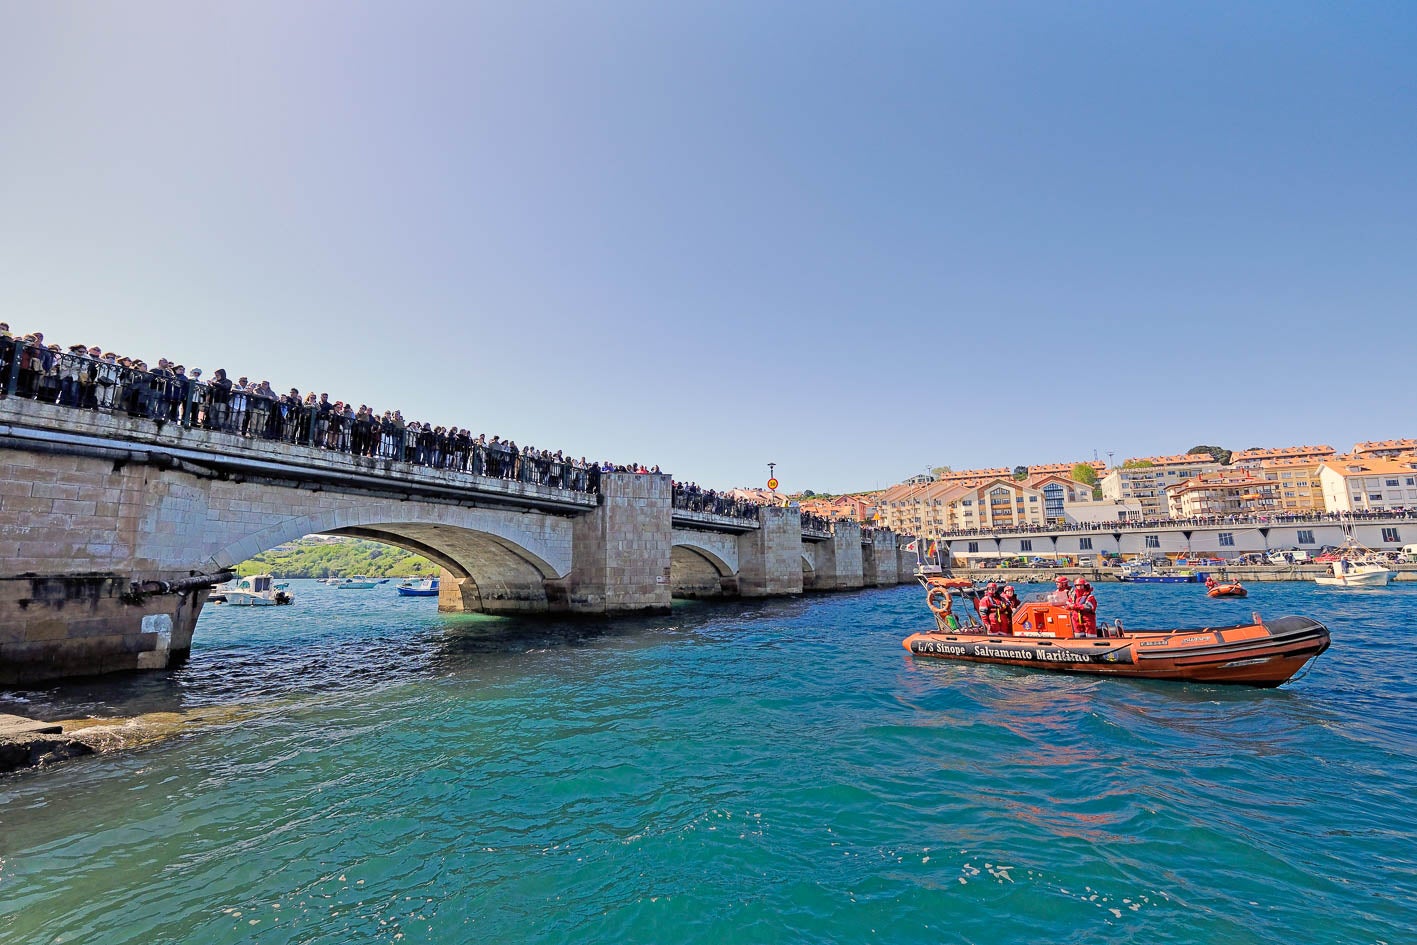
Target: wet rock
{"x": 34, "y": 749}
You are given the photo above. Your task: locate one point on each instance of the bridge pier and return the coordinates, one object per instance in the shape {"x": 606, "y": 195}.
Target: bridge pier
{"x": 879, "y": 560}
{"x": 621, "y": 550}
{"x": 59, "y": 625}
{"x": 838, "y": 559}
{"x": 770, "y": 557}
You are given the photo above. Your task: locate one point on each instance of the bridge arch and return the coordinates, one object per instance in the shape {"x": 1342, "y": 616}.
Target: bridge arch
{"x": 495, "y": 561}
{"x": 697, "y": 571}
{"x": 809, "y": 572}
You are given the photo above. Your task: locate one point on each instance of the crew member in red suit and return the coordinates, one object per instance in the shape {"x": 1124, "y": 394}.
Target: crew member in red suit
{"x": 1063, "y": 593}
{"x": 1082, "y": 609}
{"x": 1009, "y": 603}
{"x": 990, "y": 607}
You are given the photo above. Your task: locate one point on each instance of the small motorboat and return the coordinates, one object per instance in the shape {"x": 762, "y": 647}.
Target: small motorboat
{"x": 1214, "y": 588}
{"x": 428, "y": 587}
{"x": 258, "y": 590}
{"x": 352, "y": 584}
{"x": 1263, "y": 653}
{"x": 1359, "y": 573}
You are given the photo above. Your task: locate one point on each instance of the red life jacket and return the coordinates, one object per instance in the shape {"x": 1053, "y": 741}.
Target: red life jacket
{"x": 1085, "y": 607}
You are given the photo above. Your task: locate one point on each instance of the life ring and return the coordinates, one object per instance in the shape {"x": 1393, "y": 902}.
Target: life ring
{"x": 940, "y": 601}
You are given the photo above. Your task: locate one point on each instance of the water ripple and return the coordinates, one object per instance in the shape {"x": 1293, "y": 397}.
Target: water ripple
{"x": 759, "y": 772}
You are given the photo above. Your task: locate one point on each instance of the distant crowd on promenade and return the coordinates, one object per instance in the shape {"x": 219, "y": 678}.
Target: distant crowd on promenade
{"x": 89, "y": 378}
{"x": 1257, "y": 519}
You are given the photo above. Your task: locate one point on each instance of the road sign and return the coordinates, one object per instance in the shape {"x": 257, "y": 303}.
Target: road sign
{"x": 772, "y": 483}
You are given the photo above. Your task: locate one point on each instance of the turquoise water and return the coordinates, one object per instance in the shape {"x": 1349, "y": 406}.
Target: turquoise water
{"x": 749, "y": 772}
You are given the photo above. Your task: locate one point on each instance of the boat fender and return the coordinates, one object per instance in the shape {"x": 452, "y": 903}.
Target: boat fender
{"x": 939, "y": 601}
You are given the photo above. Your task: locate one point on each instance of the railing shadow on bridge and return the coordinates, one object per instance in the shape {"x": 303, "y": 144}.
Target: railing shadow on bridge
{"x": 32, "y": 372}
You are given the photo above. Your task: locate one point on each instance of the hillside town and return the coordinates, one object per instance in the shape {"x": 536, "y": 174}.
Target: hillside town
{"x": 1374, "y": 476}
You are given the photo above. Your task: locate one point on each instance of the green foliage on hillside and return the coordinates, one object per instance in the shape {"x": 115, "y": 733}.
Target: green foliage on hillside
{"x": 342, "y": 557}
{"x": 1085, "y": 474}
{"x": 1221, "y": 454}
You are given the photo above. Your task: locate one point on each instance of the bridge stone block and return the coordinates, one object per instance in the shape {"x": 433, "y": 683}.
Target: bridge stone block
{"x": 770, "y": 557}
{"x": 623, "y": 549}
{"x": 880, "y": 560}
{"x": 837, "y": 561}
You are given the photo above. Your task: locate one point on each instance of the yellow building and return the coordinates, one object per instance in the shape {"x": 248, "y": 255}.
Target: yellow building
{"x": 1297, "y": 483}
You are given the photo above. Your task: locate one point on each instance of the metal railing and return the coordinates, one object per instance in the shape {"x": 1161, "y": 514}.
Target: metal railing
{"x": 81, "y": 382}
{"x": 690, "y": 498}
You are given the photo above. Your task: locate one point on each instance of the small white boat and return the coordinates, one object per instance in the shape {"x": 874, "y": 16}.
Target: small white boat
{"x": 1356, "y": 566}
{"x": 1356, "y": 574}
{"x": 258, "y": 590}
{"x": 352, "y": 584}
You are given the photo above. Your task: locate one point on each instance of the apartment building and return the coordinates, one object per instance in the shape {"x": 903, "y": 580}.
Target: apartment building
{"x": 1297, "y": 481}
{"x": 1384, "y": 449}
{"x": 1354, "y": 483}
{"x": 1256, "y": 458}
{"x": 1037, "y": 474}
{"x": 941, "y": 508}
{"x": 853, "y": 508}
{"x": 1224, "y": 492}
{"x": 1145, "y": 479}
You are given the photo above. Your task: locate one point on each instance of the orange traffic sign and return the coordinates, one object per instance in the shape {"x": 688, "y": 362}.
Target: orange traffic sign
{"x": 772, "y": 483}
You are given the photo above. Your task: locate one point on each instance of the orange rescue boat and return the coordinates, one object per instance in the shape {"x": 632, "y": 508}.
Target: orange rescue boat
{"x": 1234, "y": 589}
{"x": 1264, "y": 653}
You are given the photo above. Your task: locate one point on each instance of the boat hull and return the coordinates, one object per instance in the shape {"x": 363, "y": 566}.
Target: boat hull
{"x": 416, "y": 592}
{"x": 1370, "y": 579}
{"x": 1263, "y": 655}
{"x": 1227, "y": 590}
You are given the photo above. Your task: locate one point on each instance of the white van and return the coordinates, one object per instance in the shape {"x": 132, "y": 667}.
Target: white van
{"x": 1409, "y": 552}
{"x": 1300, "y": 557}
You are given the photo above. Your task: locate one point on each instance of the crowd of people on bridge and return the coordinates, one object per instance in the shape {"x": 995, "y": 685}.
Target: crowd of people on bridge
{"x": 89, "y": 378}
{"x": 691, "y": 498}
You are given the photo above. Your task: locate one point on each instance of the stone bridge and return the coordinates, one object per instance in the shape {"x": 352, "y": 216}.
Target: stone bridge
{"x": 113, "y": 529}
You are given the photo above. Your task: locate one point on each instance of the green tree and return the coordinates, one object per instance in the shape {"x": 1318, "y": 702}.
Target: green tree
{"x": 1020, "y": 473}
{"x": 1221, "y": 454}
{"x": 1137, "y": 464}
{"x": 939, "y": 472}
{"x": 1085, "y": 474}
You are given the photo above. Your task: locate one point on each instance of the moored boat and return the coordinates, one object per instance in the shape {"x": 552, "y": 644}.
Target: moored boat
{"x": 258, "y": 590}
{"x": 352, "y": 584}
{"x": 428, "y": 587}
{"x": 1346, "y": 573}
{"x": 1263, "y": 653}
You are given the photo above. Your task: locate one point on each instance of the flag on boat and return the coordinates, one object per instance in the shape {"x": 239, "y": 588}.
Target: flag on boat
{"x": 932, "y": 551}
{"x": 914, "y": 545}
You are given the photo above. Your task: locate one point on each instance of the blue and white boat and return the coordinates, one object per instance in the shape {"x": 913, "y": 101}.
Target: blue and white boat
{"x": 1146, "y": 574}
{"x": 427, "y": 587}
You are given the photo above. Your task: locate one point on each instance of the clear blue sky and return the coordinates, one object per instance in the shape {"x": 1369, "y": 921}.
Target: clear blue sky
{"x": 855, "y": 240}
